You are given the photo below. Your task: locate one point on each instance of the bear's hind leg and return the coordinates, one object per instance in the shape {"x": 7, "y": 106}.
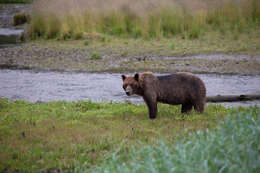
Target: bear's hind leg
{"x": 185, "y": 108}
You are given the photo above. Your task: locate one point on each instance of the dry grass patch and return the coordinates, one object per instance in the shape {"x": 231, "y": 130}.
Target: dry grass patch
{"x": 146, "y": 19}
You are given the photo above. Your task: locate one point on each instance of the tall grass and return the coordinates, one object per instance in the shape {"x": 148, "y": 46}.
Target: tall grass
{"x": 233, "y": 147}
{"x": 141, "y": 18}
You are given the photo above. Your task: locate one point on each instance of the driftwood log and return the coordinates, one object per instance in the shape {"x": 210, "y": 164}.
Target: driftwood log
{"x": 232, "y": 98}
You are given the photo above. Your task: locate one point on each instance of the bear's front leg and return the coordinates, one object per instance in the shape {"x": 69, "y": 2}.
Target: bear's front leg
{"x": 185, "y": 108}
{"x": 151, "y": 101}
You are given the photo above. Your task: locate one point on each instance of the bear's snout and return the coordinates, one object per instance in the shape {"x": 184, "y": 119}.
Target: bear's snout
{"x": 128, "y": 90}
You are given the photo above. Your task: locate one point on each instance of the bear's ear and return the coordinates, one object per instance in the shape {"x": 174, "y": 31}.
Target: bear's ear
{"x": 137, "y": 77}
{"x": 123, "y": 77}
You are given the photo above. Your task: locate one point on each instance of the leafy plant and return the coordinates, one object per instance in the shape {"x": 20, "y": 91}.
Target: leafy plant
{"x": 232, "y": 147}
{"x": 86, "y": 42}
{"x": 95, "y": 56}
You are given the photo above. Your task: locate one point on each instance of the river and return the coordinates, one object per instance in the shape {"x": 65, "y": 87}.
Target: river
{"x": 46, "y": 86}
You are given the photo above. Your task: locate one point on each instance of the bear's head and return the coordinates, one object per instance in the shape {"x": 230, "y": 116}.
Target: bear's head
{"x": 131, "y": 85}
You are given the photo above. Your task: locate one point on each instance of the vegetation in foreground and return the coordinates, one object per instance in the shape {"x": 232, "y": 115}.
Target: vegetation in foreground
{"x": 146, "y": 19}
{"x": 232, "y": 147}
{"x": 62, "y": 135}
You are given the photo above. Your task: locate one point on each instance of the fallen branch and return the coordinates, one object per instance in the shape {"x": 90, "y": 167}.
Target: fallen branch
{"x": 232, "y": 98}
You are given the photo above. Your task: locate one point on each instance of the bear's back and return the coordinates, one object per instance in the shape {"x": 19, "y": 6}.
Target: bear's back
{"x": 181, "y": 79}
{"x": 180, "y": 86}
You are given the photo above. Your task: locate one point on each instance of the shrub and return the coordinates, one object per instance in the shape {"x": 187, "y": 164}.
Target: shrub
{"x": 20, "y": 18}
{"x": 86, "y": 42}
{"x": 233, "y": 147}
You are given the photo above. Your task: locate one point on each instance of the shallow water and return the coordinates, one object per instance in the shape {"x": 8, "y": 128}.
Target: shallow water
{"x": 10, "y": 31}
{"x": 10, "y": 36}
{"x": 52, "y": 86}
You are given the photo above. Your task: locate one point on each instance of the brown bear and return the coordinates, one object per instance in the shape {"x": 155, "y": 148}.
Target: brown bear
{"x": 180, "y": 88}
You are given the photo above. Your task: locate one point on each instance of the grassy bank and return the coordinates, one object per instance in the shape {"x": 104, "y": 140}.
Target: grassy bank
{"x": 63, "y": 135}
{"x": 146, "y": 19}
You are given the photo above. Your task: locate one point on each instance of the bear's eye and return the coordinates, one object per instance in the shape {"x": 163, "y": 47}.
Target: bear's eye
{"x": 132, "y": 86}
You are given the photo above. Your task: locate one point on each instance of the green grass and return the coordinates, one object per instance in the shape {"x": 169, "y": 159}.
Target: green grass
{"x": 95, "y": 56}
{"x": 64, "y": 135}
{"x": 150, "y": 20}
{"x": 15, "y": 1}
{"x": 86, "y": 42}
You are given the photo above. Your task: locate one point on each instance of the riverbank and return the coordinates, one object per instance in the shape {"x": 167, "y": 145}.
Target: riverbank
{"x": 7, "y": 11}
{"x": 63, "y": 135}
{"x": 212, "y": 53}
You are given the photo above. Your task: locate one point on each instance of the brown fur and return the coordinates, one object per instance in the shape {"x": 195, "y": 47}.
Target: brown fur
{"x": 180, "y": 88}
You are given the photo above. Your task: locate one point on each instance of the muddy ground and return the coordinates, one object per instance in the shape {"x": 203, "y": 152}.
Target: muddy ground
{"x": 131, "y": 57}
